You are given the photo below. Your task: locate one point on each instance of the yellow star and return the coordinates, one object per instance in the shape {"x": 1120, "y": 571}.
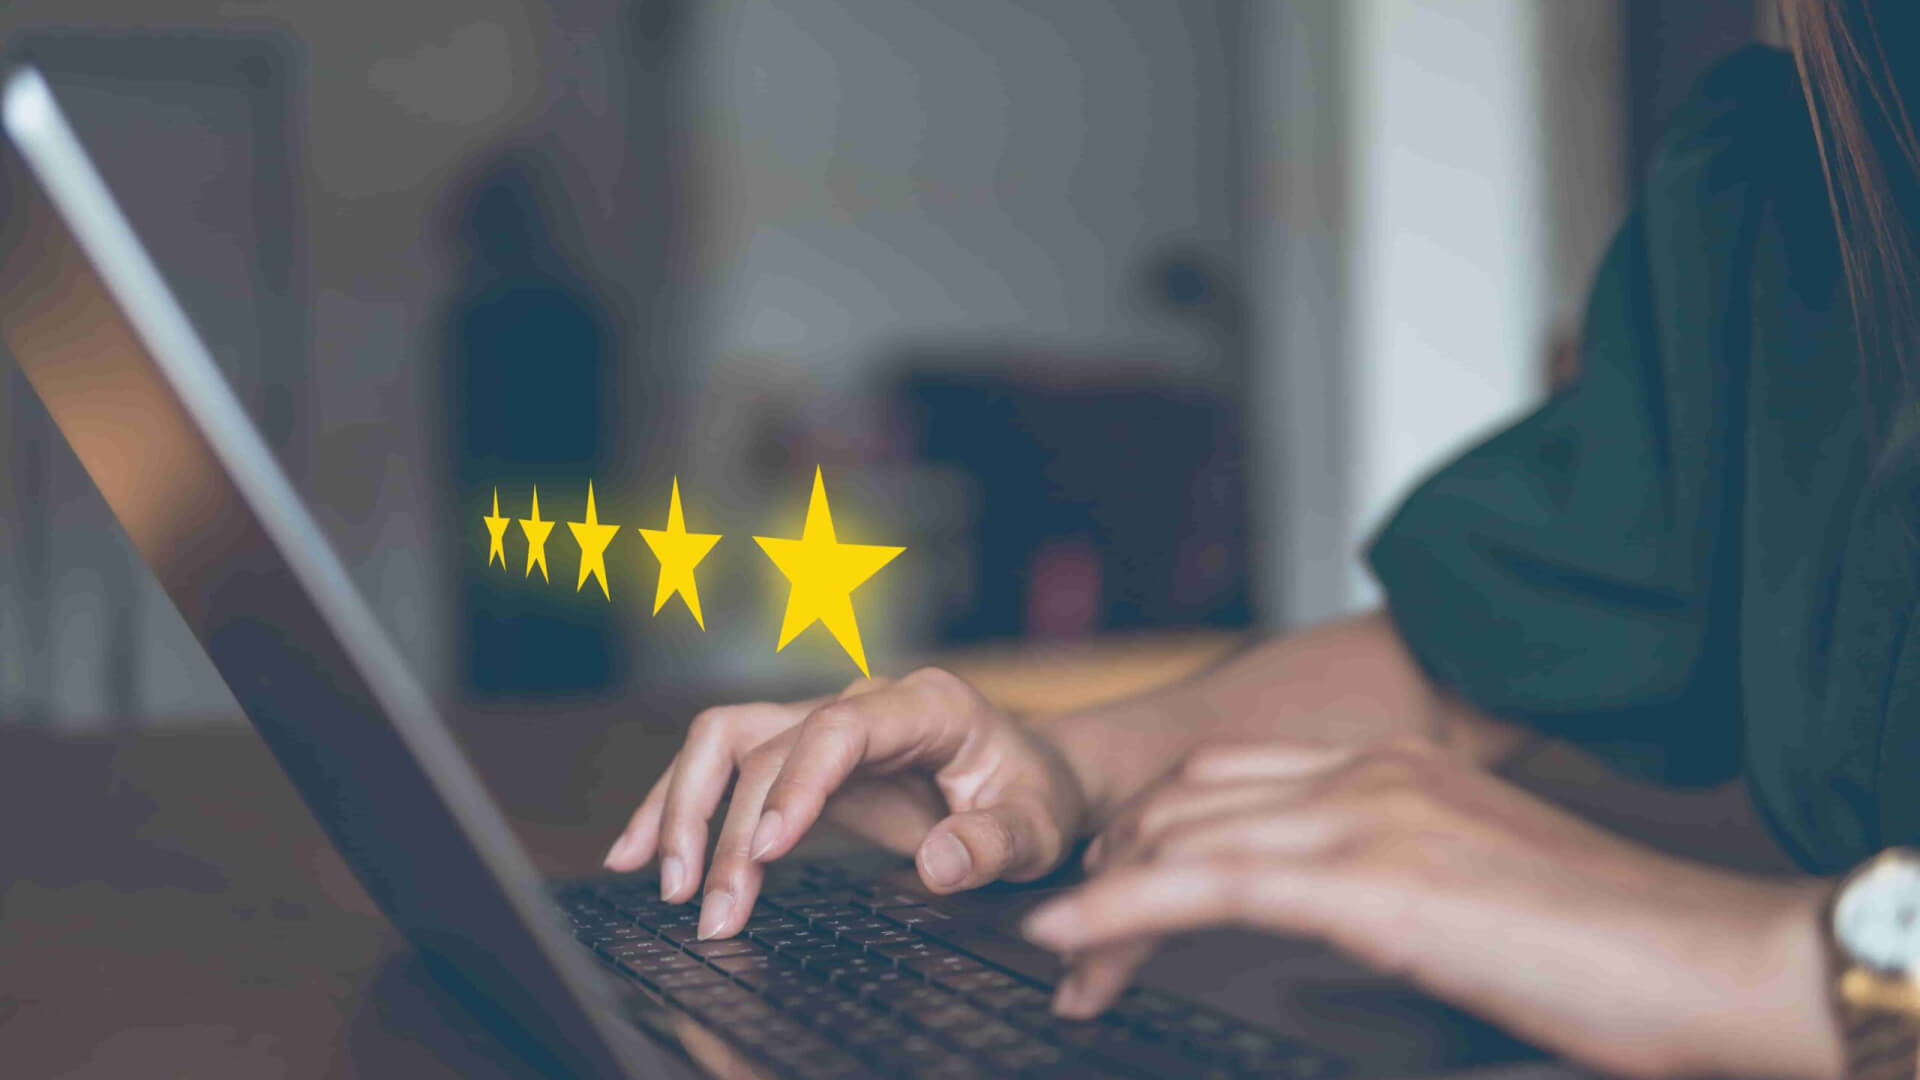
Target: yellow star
{"x": 496, "y": 531}
{"x": 536, "y": 531}
{"x": 679, "y": 551}
{"x": 823, "y": 574}
{"x": 593, "y": 539}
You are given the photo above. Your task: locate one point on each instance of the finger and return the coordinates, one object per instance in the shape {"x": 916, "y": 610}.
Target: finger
{"x": 1171, "y": 896}
{"x": 734, "y": 882}
{"x": 641, "y": 838}
{"x": 1267, "y": 830}
{"x": 860, "y": 686}
{"x": 917, "y": 720}
{"x": 1015, "y": 839}
{"x": 717, "y": 739}
{"x": 1266, "y": 759}
{"x": 1173, "y": 805}
{"x": 894, "y": 812}
{"x": 1096, "y": 977}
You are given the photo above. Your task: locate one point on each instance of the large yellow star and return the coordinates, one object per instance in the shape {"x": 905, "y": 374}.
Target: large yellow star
{"x": 679, "y": 551}
{"x": 536, "y": 531}
{"x": 593, "y": 539}
{"x": 496, "y": 531}
{"x": 823, "y": 574}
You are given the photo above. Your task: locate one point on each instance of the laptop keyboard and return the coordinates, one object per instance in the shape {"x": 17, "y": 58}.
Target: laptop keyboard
{"x": 838, "y": 976}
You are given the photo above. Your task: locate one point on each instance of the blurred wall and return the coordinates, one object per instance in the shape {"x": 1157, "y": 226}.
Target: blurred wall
{"x": 394, "y": 103}
{"x": 1430, "y": 184}
{"x": 1437, "y": 179}
{"x": 880, "y": 172}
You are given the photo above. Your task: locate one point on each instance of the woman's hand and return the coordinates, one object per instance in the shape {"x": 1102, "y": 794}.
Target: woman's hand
{"x": 921, "y": 765}
{"x": 1423, "y": 866}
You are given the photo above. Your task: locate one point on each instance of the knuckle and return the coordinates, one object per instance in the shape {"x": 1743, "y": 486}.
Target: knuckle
{"x": 865, "y": 686}
{"x": 833, "y": 719}
{"x": 710, "y": 722}
{"x": 941, "y": 683}
{"x": 1231, "y": 877}
{"x": 995, "y": 838}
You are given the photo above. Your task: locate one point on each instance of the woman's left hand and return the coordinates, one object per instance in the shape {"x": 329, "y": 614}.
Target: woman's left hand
{"x": 1423, "y": 866}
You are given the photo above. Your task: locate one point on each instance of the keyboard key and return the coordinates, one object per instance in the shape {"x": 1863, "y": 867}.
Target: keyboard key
{"x": 913, "y": 915}
{"x": 950, "y": 1017}
{"x": 765, "y": 924}
{"x": 919, "y": 999}
{"x": 889, "y": 981}
{"x": 910, "y": 950}
{"x": 837, "y": 977}
{"x": 1017, "y": 996}
{"x": 742, "y": 962}
{"x": 722, "y": 947}
{"x": 989, "y": 1034}
{"x": 876, "y": 939}
{"x": 972, "y": 982}
{"x": 637, "y": 952}
{"x": 1026, "y": 1055}
{"x": 684, "y": 979}
{"x": 718, "y": 996}
{"x": 1119, "y": 1049}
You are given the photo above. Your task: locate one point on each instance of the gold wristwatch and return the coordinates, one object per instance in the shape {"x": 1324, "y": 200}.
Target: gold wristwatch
{"x": 1872, "y": 931}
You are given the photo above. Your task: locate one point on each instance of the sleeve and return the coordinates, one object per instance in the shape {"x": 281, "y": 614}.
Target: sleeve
{"x": 1579, "y": 571}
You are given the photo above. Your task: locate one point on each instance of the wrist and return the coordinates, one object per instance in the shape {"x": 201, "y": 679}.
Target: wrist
{"x": 1783, "y": 1022}
{"x": 1113, "y": 752}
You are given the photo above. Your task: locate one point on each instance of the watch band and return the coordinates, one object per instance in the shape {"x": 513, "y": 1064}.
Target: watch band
{"x": 1879, "y": 1023}
{"x": 1878, "y": 1045}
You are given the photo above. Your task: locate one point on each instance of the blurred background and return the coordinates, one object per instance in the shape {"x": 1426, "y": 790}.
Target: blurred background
{"x": 1128, "y": 318}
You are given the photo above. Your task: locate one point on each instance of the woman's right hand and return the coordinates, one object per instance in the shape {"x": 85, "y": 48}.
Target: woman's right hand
{"x": 924, "y": 765}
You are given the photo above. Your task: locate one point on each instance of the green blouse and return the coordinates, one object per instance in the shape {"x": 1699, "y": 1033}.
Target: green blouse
{"x": 1701, "y": 558}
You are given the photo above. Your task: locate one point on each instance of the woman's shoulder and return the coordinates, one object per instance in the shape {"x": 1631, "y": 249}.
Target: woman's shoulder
{"x": 1733, "y": 188}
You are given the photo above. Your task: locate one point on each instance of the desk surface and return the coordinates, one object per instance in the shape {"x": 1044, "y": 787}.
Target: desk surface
{"x": 169, "y": 906}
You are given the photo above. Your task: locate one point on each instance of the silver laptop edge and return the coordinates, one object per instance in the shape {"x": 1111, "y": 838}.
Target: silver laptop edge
{"x": 42, "y": 288}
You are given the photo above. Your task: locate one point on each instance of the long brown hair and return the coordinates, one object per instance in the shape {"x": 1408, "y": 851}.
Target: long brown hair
{"x": 1857, "y": 68}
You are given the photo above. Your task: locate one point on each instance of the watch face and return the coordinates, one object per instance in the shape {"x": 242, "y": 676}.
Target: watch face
{"x": 1877, "y": 917}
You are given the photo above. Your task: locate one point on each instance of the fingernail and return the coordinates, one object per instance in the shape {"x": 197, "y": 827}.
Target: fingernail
{"x": 1070, "y": 997}
{"x": 713, "y": 914}
{"x": 766, "y": 834}
{"x": 1049, "y": 924}
{"x": 619, "y": 848}
{"x": 673, "y": 873}
{"x": 946, "y": 859}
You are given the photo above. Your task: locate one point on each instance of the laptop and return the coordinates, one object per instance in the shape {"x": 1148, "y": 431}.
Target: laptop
{"x": 847, "y": 969}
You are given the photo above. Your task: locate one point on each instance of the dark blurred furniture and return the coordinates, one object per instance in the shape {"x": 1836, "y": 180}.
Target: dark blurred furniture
{"x": 528, "y": 371}
{"x": 1109, "y": 496}
{"x": 169, "y": 907}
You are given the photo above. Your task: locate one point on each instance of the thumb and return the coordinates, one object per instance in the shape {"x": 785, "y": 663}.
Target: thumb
{"x": 1018, "y": 840}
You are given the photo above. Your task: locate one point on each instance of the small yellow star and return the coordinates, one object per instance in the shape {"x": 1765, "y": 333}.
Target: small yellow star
{"x": 496, "y": 531}
{"x": 536, "y": 531}
{"x": 679, "y": 551}
{"x": 823, "y": 574}
{"x": 593, "y": 539}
